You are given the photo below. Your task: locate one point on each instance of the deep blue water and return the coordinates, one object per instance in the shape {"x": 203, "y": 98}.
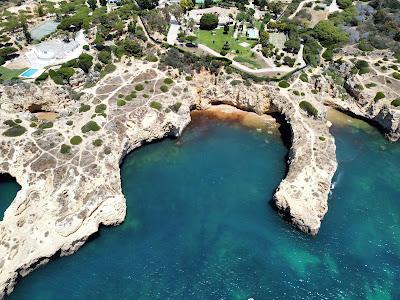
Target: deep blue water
{"x": 199, "y": 226}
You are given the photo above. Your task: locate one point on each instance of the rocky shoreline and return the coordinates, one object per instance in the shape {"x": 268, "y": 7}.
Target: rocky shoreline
{"x": 67, "y": 191}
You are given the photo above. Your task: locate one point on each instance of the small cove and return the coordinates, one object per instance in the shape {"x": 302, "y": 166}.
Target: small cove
{"x": 199, "y": 225}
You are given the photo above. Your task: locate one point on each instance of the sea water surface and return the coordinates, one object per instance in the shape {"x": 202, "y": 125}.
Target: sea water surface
{"x": 199, "y": 225}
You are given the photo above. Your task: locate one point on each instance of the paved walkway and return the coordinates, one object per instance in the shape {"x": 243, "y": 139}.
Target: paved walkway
{"x": 173, "y": 31}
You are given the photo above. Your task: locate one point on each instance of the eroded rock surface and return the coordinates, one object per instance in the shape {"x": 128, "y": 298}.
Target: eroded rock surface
{"x": 71, "y": 185}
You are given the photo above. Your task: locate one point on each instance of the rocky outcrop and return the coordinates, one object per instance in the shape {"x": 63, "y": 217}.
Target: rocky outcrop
{"x": 69, "y": 188}
{"x": 22, "y": 96}
{"x": 362, "y": 103}
{"x": 302, "y": 197}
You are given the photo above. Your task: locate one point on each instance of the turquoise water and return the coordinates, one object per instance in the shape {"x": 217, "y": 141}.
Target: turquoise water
{"x": 8, "y": 191}
{"x": 28, "y": 73}
{"x": 199, "y": 226}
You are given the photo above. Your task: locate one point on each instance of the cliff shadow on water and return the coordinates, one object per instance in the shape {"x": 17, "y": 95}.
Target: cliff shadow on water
{"x": 8, "y": 190}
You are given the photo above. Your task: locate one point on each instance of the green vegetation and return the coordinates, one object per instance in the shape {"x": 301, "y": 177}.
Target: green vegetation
{"x": 329, "y": 35}
{"x": 109, "y": 68}
{"x": 379, "y": 96}
{"x": 139, "y": 87}
{"x": 322, "y": 138}
{"x": 75, "y": 140}
{"x": 168, "y": 81}
{"x": 107, "y": 150}
{"x": 97, "y": 142}
{"x": 65, "y": 149}
{"x": 225, "y": 42}
{"x": 156, "y": 105}
{"x": 303, "y": 77}
{"x": 100, "y": 108}
{"x": 283, "y": 84}
{"x": 164, "y": 88}
{"x": 308, "y": 108}
{"x": 208, "y": 21}
{"x": 84, "y": 108}
{"x": 188, "y": 78}
{"x": 90, "y": 126}
{"x": 151, "y": 58}
{"x": 14, "y": 129}
{"x": 121, "y": 102}
{"x": 396, "y": 75}
{"x": 8, "y": 74}
{"x": 175, "y": 107}
{"x": 70, "y": 123}
{"x": 370, "y": 85}
{"x": 396, "y": 102}
{"x": 42, "y": 77}
{"x": 46, "y": 125}
{"x": 362, "y": 66}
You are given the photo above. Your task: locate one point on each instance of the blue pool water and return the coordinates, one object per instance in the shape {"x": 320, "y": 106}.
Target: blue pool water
{"x": 199, "y": 225}
{"x": 28, "y": 73}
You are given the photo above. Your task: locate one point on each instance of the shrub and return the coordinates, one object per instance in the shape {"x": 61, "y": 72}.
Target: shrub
{"x": 69, "y": 123}
{"x": 156, "y": 105}
{"x": 308, "y": 108}
{"x": 362, "y": 66}
{"x": 139, "y": 87}
{"x": 75, "y": 140}
{"x": 151, "y": 58}
{"x": 379, "y": 96}
{"x": 328, "y": 54}
{"x": 145, "y": 96}
{"x": 107, "y": 150}
{"x": 109, "y": 68}
{"x": 322, "y": 138}
{"x": 168, "y": 81}
{"x": 90, "y": 126}
{"x": 100, "y": 108}
{"x": 396, "y": 75}
{"x": 86, "y": 47}
{"x": 85, "y": 62}
{"x": 283, "y": 84}
{"x": 303, "y": 77}
{"x": 121, "y": 102}
{"x": 15, "y": 130}
{"x": 56, "y": 77}
{"x": 396, "y": 102}
{"x": 84, "y": 108}
{"x": 42, "y": 77}
{"x": 65, "y": 149}
{"x": 104, "y": 56}
{"x": 175, "y": 107}
{"x": 164, "y": 88}
{"x": 97, "y": 142}
{"x": 46, "y": 125}
{"x": 370, "y": 85}
{"x": 188, "y": 78}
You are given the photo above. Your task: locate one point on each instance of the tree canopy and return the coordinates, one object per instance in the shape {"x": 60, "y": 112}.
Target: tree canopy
{"x": 208, "y": 21}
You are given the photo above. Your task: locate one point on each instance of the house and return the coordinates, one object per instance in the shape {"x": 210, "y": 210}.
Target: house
{"x": 253, "y": 34}
{"x": 225, "y": 15}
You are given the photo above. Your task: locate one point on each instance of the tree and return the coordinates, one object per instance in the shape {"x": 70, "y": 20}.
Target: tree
{"x": 40, "y": 11}
{"x": 242, "y": 16}
{"x": 27, "y": 34}
{"x": 293, "y": 43}
{"x": 275, "y": 7}
{"x": 66, "y": 73}
{"x": 104, "y": 56}
{"x": 103, "y": 2}
{"x": 226, "y": 29}
{"x": 208, "y": 3}
{"x": 264, "y": 38}
{"x": 92, "y": 4}
{"x": 132, "y": 48}
{"x": 147, "y": 4}
{"x": 208, "y": 21}
{"x": 186, "y": 4}
{"x": 343, "y": 4}
{"x": 328, "y": 34}
{"x": 85, "y": 62}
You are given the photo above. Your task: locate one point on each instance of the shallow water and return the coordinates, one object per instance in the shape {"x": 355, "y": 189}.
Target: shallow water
{"x": 199, "y": 225}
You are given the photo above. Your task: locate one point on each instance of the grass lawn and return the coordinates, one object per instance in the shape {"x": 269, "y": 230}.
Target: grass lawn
{"x": 216, "y": 42}
{"x": 7, "y": 74}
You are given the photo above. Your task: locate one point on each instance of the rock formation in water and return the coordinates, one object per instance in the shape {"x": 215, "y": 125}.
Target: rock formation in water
{"x": 68, "y": 168}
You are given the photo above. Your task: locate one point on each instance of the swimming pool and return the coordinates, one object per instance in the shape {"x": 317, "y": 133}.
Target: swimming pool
{"x": 31, "y": 73}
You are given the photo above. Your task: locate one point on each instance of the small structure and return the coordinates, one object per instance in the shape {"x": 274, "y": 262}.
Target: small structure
{"x": 224, "y": 14}
{"x": 253, "y": 34}
{"x": 43, "y": 29}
